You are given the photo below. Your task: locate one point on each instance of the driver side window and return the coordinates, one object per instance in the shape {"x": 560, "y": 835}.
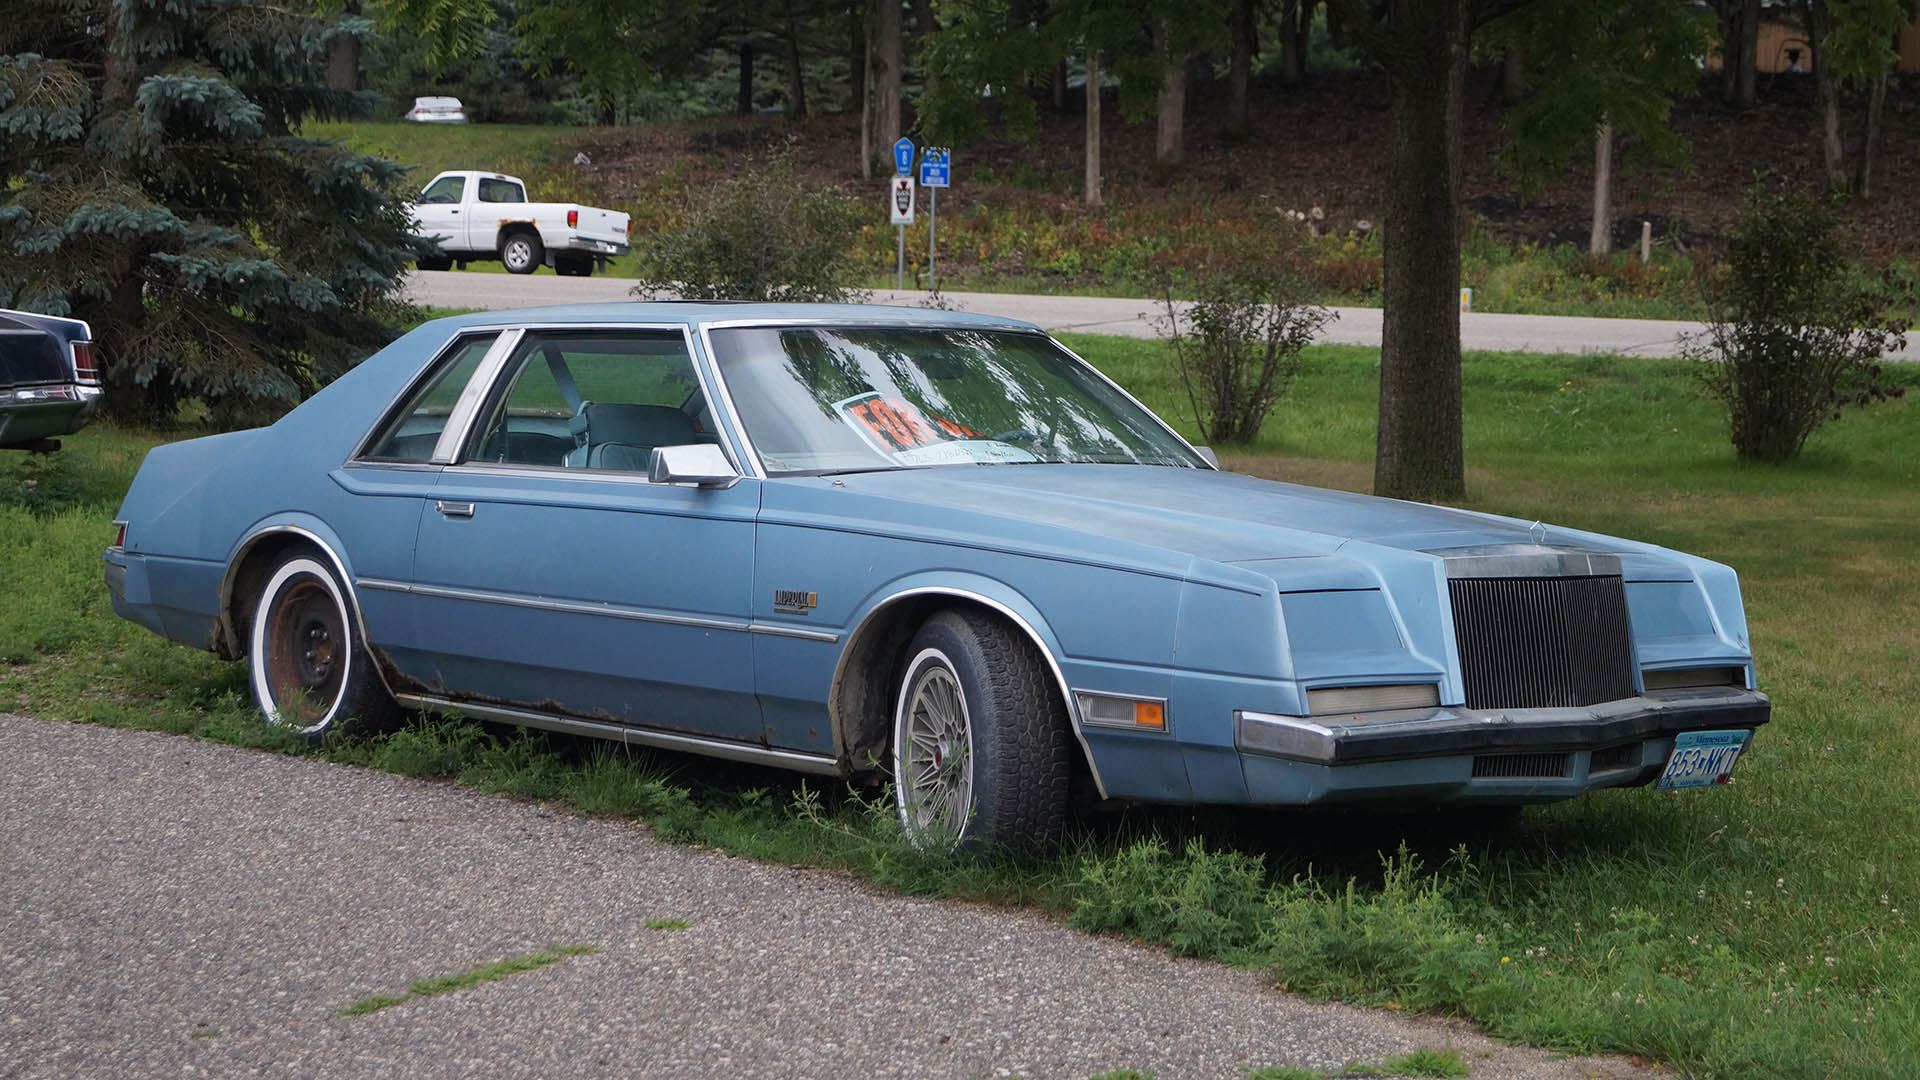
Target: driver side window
{"x": 599, "y": 400}
{"x": 444, "y": 190}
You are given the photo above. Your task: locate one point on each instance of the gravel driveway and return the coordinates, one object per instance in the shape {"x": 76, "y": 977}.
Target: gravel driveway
{"x": 173, "y": 907}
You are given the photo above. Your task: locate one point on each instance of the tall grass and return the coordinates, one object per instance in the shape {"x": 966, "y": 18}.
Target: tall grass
{"x": 1763, "y": 929}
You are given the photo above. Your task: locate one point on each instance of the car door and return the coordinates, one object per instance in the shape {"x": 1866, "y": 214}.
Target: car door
{"x": 441, "y": 210}
{"x": 551, "y": 576}
{"x": 378, "y": 494}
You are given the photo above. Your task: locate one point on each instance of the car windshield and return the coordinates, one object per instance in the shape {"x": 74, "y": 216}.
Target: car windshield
{"x": 831, "y": 399}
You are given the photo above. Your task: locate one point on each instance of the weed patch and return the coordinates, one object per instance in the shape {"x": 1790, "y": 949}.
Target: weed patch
{"x": 491, "y": 972}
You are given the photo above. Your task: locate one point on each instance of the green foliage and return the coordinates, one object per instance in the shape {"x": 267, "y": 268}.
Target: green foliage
{"x": 763, "y": 235}
{"x": 1622, "y": 62}
{"x": 1796, "y": 335}
{"x": 1240, "y": 344}
{"x": 472, "y": 977}
{"x": 1198, "y": 903}
{"x": 150, "y": 183}
{"x": 1426, "y": 1061}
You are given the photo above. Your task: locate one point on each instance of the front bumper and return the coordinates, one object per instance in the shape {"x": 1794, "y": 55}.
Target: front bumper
{"x": 1467, "y": 756}
{"x": 1406, "y": 733}
{"x": 43, "y": 412}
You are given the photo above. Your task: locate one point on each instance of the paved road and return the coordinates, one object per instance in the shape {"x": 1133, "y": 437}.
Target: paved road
{"x": 1124, "y": 318}
{"x": 175, "y": 908}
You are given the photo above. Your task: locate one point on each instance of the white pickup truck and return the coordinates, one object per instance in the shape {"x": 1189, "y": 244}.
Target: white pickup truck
{"x": 480, "y": 216}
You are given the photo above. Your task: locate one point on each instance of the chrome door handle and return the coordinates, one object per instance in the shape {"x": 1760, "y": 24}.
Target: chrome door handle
{"x": 454, "y": 509}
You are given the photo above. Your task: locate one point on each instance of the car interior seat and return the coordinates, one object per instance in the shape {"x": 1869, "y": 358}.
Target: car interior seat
{"x": 616, "y": 436}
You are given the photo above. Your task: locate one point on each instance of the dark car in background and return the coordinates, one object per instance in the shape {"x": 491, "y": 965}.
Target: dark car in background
{"x": 48, "y": 384}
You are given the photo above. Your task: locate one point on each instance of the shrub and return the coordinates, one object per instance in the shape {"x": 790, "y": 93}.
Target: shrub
{"x": 760, "y": 236}
{"x": 1237, "y": 345}
{"x": 1795, "y": 332}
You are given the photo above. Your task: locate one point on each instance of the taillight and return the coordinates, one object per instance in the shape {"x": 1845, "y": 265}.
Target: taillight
{"x": 629, "y": 228}
{"x": 83, "y": 362}
{"x": 573, "y": 219}
{"x": 120, "y": 534}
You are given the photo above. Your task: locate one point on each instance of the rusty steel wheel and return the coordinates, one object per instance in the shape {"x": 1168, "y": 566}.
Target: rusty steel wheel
{"x": 309, "y": 672}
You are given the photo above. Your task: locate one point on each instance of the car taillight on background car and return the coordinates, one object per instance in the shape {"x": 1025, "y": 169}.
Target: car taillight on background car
{"x": 83, "y": 368}
{"x": 573, "y": 219}
{"x": 120, "y": 534}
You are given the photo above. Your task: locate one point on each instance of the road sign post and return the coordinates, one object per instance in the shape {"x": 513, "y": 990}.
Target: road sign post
{"x": 900, "y": 211}
{"x": 935, "y": 172}
{"x": 900, "y": 202}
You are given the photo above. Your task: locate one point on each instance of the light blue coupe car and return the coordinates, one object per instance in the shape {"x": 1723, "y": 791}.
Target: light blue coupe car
{"x": 864, "y": 541}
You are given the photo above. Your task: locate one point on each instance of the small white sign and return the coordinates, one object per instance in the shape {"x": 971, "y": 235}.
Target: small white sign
{"x": 900, "y": 200}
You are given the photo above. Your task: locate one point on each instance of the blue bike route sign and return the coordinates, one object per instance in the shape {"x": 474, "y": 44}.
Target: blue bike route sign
{"x": 936, "y": 167}
{"x": 903, "y": 157}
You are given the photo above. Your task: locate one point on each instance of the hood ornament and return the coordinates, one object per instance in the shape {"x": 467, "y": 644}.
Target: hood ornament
{"x": 1537, "y": 533}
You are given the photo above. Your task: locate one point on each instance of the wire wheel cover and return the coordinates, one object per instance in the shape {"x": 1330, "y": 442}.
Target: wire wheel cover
{"x": 936, "y": 765}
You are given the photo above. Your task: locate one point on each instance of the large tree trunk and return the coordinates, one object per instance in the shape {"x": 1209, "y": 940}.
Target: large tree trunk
{"x": 1240, "y": 69}
{"x": 1600, "y": 237}
{"x": 886, "y": 76}
{"x": 343, "y": 55}
{"x": 1170, "y": 143}
{"x": 860, "y": 73}
{"x": 1833, "y": 156}
{"x": 1869, "y": 140}
{"x": 743, "y": 100}
{"x": 796, "y": 74}
{"x": 1295, "y": 18}
{"x": 1091, "y": 189}
{"x": 1420, "y": 453}
{"x": 1728, "y": 13}
{"x": 1747, "y": 81}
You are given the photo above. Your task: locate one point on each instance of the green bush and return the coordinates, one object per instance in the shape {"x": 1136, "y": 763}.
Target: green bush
{"x": 1237, "y": 346}
{"x": 761, "y": 236}
{"x": 1796, "y": 332}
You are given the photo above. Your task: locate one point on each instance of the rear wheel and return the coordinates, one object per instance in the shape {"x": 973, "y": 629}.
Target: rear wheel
{"x": 434, "y": 262}
{"x": 308, "y": 669}
{"x": 573, "y": 266}
{"x": 980, "y": 741}
{"x": 522, "y": 253}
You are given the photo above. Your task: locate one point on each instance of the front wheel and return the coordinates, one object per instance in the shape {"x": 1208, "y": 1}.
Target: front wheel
{"x": 980, "y": 740}
{"x": 522, "y": 253}
{"x": 308, "y": 669}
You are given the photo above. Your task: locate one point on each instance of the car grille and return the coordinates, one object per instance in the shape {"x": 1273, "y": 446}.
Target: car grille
{"x": 1542, "y": 642}
{"x": 1520, "y": 766}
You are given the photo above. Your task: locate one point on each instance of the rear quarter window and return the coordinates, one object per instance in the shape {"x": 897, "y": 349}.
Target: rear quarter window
{"x": 411, "y": 431}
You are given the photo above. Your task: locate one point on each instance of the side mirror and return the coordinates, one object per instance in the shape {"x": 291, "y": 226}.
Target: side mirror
{"x": 1207, "y": 453}
{"x": 702, "y": 464}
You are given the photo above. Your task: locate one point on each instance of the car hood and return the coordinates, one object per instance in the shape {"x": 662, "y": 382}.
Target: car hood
{"x": 1217, "y": 516}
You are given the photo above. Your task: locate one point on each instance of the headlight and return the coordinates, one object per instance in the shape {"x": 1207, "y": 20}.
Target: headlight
{"x": 1329, "y": 700}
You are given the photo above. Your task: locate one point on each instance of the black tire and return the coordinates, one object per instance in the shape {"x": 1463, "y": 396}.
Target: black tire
{"x": 573, "y": 267}
{"x": 522, "y": 252}
{"x": 307, "y": 667}
{"x": 999, "y": 779}
{"x": 442, "y": 262}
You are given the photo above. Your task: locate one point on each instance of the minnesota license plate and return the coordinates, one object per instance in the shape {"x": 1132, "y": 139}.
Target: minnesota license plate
{"x": 1703, "y": 758}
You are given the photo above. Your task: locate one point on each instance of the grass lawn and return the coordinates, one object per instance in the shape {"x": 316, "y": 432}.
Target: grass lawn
{"x": 1764, "y": 929}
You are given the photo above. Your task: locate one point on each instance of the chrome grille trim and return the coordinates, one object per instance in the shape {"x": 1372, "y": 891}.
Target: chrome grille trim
{"x": 1542, "y": 642}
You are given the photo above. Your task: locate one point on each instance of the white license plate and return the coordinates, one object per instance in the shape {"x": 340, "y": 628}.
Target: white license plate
{"x": 1703, "y": 758}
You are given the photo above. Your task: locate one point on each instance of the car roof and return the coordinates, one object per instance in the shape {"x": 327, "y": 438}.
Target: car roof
{"x": 705, "y": 312}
